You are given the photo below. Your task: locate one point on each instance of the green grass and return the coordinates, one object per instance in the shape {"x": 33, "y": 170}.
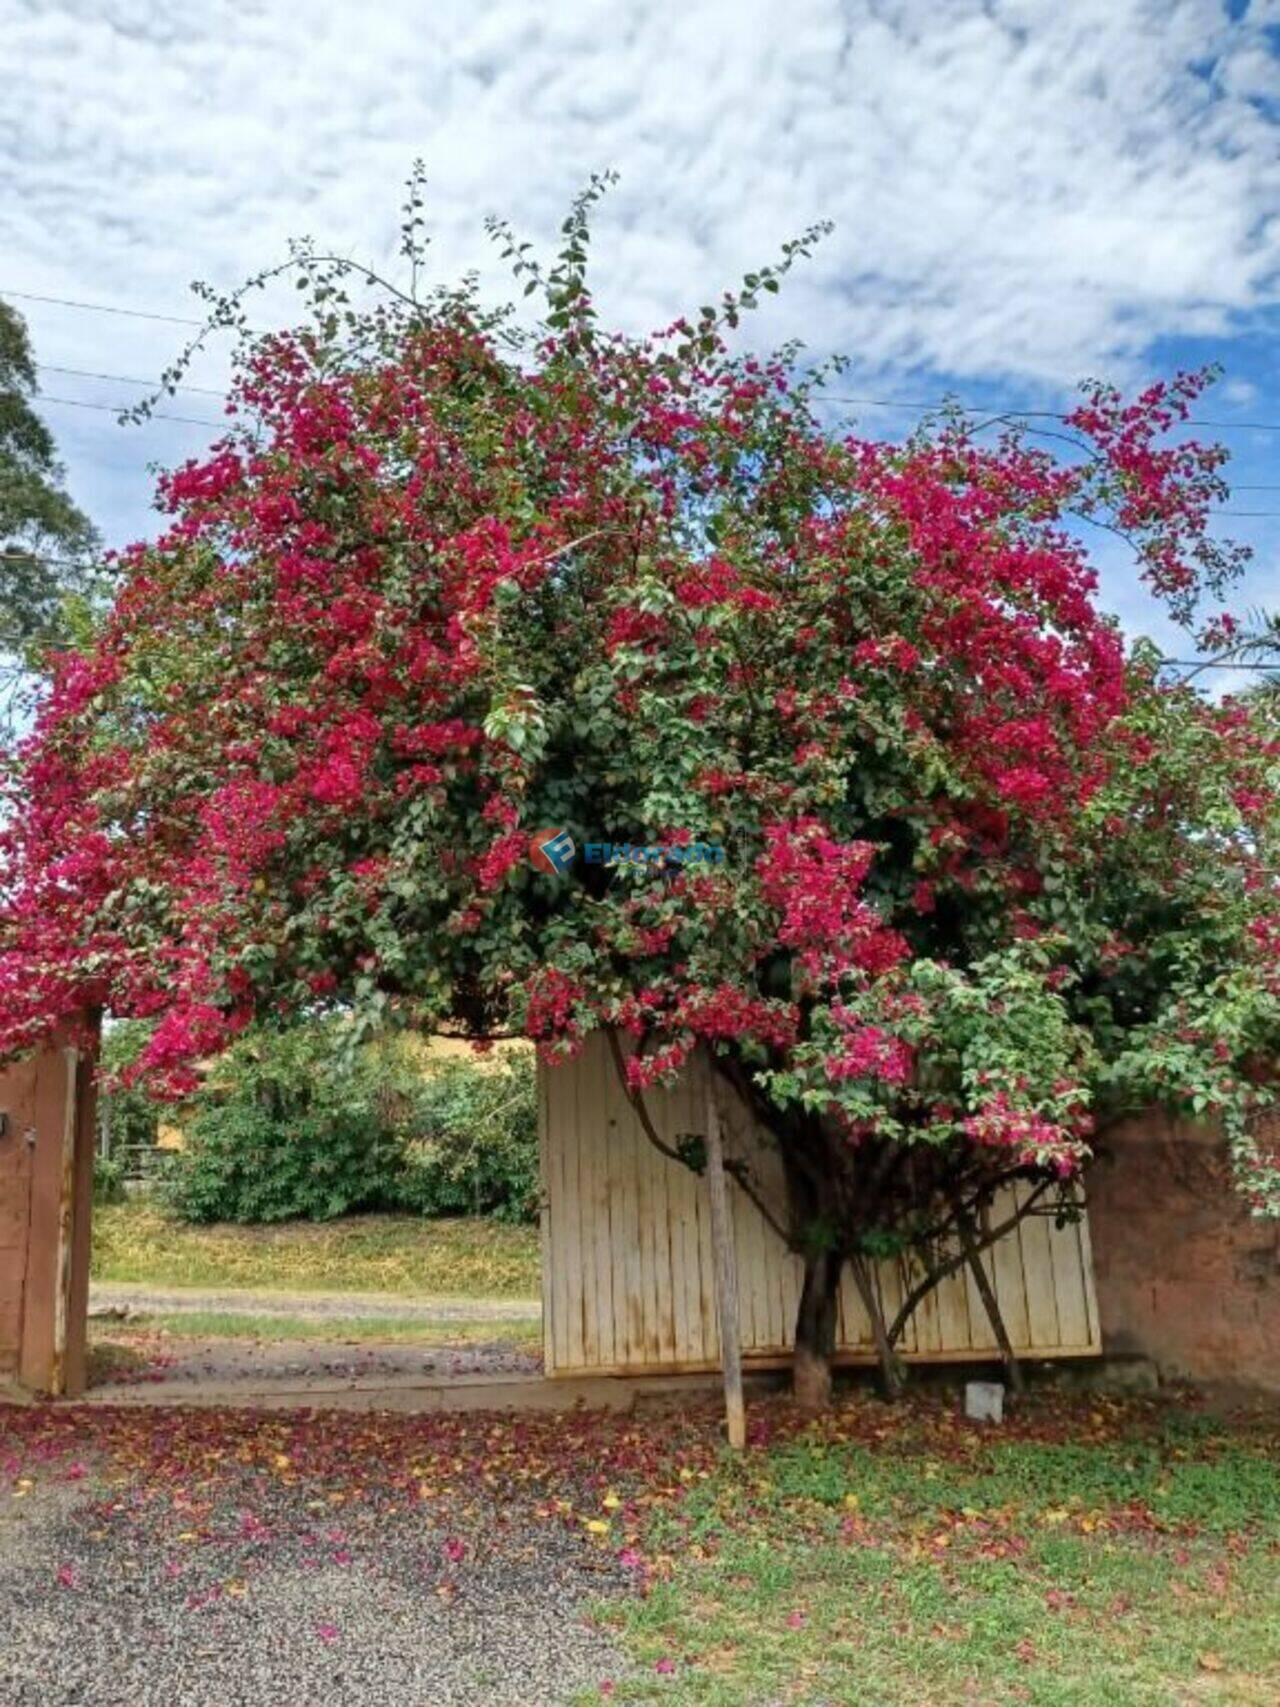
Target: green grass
{"x": 934, "y": 1567}
{"x": 224, "y": 1325}
{"x": 136, "y": 1242}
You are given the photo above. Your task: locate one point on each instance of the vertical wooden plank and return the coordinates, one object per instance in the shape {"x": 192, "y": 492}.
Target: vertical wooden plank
{"x": 1068, "y": 1284}
{"x": 665, "y": 1174}
{"x": 603, "y": 1208}
{"x": 1005, "y": 1267}
{"x": 744, "y": 1224}
{"x": 760, "y": 1266}
{"x": 1094, "y": 1342}
{"x": 644, "y": 1159}
{"x": 726, "y": 1278}
{"x": 682, "y": 1207}
{"x": 632, "y": 1317}
{"x": 547, "y": 1240}
{"x": 786, "y": 1269}
{"x": 853, "y": 1325}
{"x": 591, "y": 1116}
{"x": 1037, "y": 1269}
{"x": 928, "y": 1325}
{"x": 557, "y": 1137}
{"x": 889, "y": 1279}
{"x": 785, "y": 1273}
{"x": 982, "y": 1336}
{"x": 955, "y": 1331}
{"x": 571, "y": 1221}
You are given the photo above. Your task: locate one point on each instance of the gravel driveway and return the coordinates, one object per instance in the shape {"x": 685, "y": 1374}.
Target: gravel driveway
{"x": 280, "y": 1593}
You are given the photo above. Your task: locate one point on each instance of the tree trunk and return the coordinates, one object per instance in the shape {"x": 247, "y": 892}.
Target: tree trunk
{"x": 816, "y": 1331}
{"x": 973, "y": 1257}
{"x": 891, "y": 1376}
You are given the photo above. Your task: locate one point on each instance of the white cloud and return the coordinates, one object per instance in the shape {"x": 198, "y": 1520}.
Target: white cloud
{"x": 1023, "y": 192}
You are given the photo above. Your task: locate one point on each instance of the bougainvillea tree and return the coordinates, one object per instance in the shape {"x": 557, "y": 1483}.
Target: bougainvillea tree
{"x": 445, "y": 584}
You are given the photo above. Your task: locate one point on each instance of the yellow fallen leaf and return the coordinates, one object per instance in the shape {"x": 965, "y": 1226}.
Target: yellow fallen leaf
{"x": 596, "y": 1526}
{"x": 611, "y": 1502}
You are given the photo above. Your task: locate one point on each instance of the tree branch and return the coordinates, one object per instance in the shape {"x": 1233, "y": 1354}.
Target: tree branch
{"x": 935, "y": 1276}
{"x": 636, "y": 1098}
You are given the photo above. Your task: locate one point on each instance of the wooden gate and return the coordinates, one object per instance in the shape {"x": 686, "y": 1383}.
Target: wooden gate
{"x": 628, "y": 1274}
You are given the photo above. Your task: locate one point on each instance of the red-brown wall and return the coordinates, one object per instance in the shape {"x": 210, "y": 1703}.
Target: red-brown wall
{"x": 1184, "y": 1274}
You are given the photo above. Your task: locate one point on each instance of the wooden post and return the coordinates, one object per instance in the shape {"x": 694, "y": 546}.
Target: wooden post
{"x": 726, "y": 1275}
{"x": 53, "y": 1097}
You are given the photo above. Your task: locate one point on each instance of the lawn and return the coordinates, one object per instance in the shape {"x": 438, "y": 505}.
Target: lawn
{"x": 136, "y": 1242}
{"x": 1104, "y": 1557}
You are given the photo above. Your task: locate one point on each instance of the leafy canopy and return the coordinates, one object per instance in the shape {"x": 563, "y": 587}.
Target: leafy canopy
{"x": 446, "y": 582}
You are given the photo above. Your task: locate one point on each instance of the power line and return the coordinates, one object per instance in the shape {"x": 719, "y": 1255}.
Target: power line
{"x": 101, "y": 308}
{"x": 1207, "y": 664}
{"x": 123, "y": 408}
{"x": 997, "y": 410}
{"x": 151, "y": 384}
{"x": 916, "y": 406}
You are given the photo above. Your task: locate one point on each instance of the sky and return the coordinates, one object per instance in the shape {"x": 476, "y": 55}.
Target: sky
{"x": 1025, "y": 193}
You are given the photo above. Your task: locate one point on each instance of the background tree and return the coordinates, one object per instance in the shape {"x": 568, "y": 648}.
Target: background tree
{"x": 45, "y": 541}
{"x": 446, "y": 582}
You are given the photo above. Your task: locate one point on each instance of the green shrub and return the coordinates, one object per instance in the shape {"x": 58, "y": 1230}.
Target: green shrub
{"x": 296, "y": 1125}
{"x": 108, "y": 1180}
{"x": 472, "y": 1142}
{"x": 289, "y": 1126}
{"x": 132, "y": 1116}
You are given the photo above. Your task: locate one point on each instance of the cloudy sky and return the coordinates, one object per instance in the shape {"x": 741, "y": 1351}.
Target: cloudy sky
{"x": 1025, "y": 192}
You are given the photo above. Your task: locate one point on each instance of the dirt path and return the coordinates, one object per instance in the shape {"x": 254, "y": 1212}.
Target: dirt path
{"x": 173, "y": 1364}
{"x": 145, "y": 1300}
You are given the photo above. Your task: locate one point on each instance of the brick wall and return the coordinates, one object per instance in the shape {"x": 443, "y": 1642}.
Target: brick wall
{"x": 1184, "y": 1274}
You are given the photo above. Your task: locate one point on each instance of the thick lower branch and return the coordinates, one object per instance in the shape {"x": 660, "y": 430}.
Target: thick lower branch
{"x": 936, "y": 1275}
{"x": 991, "y": 1304}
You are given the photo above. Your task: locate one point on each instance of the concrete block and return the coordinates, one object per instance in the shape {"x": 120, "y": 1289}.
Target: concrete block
{"x": 984, "y": 1401}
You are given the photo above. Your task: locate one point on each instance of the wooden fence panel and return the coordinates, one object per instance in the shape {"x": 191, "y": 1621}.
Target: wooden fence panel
{"x": 628, "y": 1272}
